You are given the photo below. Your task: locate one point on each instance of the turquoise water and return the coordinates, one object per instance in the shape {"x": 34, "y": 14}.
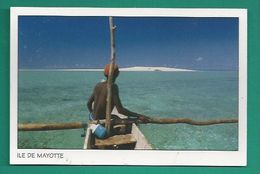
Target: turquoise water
{"x": 61, "y": 96}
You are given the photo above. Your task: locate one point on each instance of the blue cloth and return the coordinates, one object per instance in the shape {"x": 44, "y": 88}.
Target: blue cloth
{"x": 100, "y": 132}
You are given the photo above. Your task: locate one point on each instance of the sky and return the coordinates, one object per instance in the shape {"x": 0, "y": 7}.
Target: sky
{"x": 84, "y": 42}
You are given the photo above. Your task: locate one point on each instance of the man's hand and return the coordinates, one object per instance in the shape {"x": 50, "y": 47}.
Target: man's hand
{"x": 144, "y": 119}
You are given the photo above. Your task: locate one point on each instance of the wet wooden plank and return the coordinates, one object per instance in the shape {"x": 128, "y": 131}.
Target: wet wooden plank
{"x": 115, "y": 140}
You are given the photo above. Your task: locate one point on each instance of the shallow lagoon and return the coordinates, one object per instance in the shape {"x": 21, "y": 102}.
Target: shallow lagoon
{"x": 61, "y": 96}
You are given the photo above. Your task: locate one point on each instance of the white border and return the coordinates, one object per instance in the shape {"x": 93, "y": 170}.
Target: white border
{"x": 127, "y": 157}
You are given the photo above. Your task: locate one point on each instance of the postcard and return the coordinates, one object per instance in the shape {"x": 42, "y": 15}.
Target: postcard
{"x": 128, "y": 86}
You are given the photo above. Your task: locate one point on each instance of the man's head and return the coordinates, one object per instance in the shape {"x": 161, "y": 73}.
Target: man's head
{"x": 116, "y": 71}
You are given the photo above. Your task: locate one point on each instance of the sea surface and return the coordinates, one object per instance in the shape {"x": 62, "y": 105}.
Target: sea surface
{"x": 61, "y": 96}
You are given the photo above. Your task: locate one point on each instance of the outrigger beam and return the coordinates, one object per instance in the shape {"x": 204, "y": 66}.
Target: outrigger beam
{"x": 78, "y": 125}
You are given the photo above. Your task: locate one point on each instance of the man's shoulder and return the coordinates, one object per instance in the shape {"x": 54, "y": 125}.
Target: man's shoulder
{"x": 104, "y": 85}
{"x": 100, "y": 84}
{"x": 115, "y": 87}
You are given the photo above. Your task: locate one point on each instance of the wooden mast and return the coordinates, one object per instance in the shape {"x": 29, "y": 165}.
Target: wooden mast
{"x": 110, "y": 76}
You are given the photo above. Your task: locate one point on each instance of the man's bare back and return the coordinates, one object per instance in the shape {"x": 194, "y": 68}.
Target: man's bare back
{"x": 99, "y": 97}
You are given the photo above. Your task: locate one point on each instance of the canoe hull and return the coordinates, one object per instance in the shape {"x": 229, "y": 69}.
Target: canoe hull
{"x": 131, "y": 141}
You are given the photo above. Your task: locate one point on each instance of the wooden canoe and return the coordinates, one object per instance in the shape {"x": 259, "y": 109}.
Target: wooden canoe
{"x": 128, "y": 141}
{"x": 128, "y": 137}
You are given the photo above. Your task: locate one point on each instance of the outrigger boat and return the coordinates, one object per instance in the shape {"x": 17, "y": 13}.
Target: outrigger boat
{"x": 120, "y": 136}
{"x": 124, "y": 136}
{"x": 130, "y": 140}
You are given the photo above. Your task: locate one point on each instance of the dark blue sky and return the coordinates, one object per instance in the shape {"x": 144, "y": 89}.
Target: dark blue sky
{"x": 83, "y": 42}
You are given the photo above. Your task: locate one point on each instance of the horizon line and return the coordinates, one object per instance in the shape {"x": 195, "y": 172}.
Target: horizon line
{"x": 101, "y": 69}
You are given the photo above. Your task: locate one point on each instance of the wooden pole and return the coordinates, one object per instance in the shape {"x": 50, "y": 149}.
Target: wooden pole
{"x": 110, "y": 76}
{"x": 51, "y": 126}
{"x": 190, "y": 121}
{"x": 78, "y": 125}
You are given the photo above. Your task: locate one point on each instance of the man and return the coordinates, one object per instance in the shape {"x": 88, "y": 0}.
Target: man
{"x": 99, "y": 97}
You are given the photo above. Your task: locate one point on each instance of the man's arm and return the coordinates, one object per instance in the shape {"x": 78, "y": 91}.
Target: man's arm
{"x": 90, "y": 101}
{"x": 119, "y": 105}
